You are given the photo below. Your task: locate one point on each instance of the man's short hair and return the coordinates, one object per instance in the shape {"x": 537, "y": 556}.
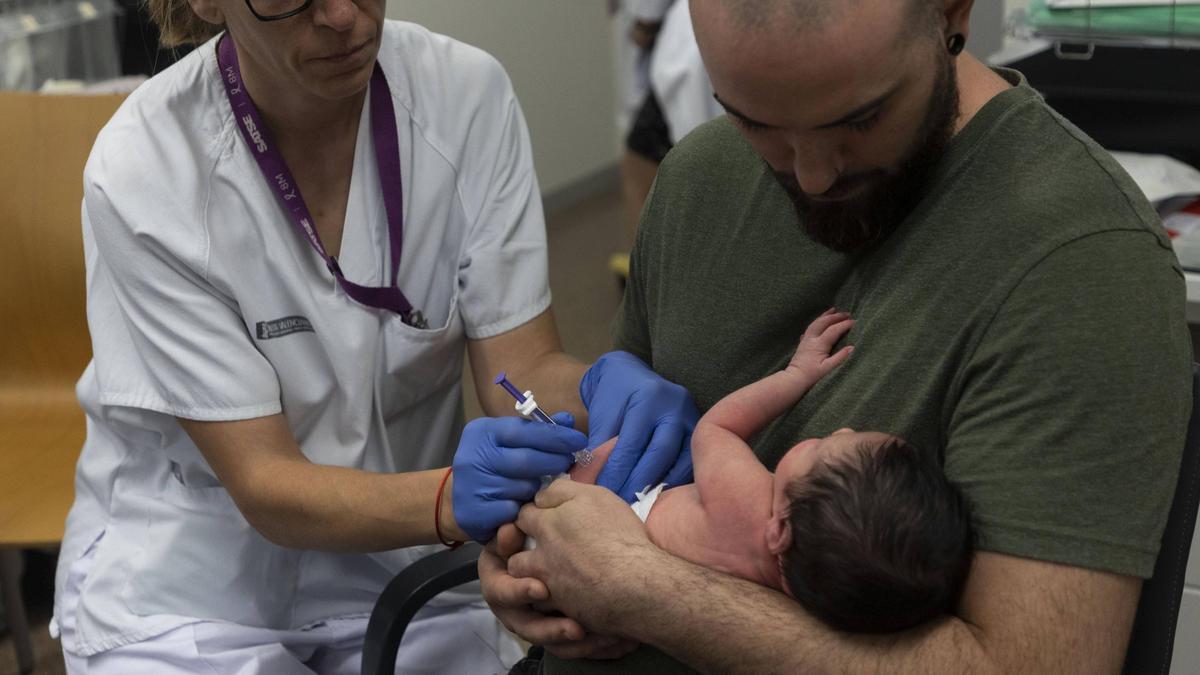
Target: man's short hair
{"x": 881, "y": 541}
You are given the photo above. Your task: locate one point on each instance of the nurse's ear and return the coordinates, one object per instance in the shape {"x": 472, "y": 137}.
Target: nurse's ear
{"x": 208, "y": 10}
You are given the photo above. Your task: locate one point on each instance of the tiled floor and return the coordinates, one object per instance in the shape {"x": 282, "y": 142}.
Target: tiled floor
{"x": 585, "y": 297}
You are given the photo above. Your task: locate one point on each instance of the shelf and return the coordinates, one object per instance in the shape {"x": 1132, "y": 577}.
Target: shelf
{"x": 1076, "y": 38}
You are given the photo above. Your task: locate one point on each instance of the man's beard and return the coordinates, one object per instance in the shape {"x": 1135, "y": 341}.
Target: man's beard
{"x": 860, "y": 223}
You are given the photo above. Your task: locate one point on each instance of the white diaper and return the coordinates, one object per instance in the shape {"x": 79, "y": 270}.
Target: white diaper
{"x": 645, "y": 500}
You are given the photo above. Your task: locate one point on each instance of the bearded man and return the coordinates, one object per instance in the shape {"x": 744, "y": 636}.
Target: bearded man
{"x": 1018, "y": 310}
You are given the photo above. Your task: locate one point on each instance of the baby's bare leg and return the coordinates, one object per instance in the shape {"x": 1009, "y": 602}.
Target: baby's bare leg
{"x": 587, "y": 473}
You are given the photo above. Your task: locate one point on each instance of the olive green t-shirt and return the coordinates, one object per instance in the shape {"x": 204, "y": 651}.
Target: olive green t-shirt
{"x": 1026, "y": 321}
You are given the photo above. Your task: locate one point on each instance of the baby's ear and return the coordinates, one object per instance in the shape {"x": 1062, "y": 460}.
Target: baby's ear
{"x": 779, "y": 535}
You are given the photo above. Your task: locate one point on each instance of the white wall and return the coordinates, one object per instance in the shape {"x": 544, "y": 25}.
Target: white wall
{"x": 987, "y": 28}
{"x": 559, "y": 56}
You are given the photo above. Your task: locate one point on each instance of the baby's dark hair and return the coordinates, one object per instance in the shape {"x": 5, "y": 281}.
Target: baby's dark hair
{"x": 881, "y": 541}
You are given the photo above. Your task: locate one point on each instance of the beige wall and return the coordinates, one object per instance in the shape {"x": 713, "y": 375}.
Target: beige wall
{"x": 559, "y": 56}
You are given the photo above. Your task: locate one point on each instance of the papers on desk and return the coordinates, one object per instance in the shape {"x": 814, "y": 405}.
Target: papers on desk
{"x": 1183, "y": 227}
{"x": 1183, "y": 223}
{"x": 1162, "y": 178}
{"x": 1173, "y": 187}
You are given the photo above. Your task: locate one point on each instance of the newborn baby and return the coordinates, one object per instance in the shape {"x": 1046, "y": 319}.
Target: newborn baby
{"x": 862, "y": 529}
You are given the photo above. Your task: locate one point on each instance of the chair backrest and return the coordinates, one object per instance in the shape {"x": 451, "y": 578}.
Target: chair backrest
{"x": 45, "y": 345}
{"x": 1153, "y": 639}
{"x": 45, "y": 141}
{"x": 405, "y": 595}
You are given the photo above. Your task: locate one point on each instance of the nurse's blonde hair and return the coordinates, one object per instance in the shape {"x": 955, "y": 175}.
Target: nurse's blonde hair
{"x": 178, "y": 25}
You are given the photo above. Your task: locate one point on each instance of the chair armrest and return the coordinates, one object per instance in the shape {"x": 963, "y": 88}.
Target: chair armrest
{"x": 405, "y": 595}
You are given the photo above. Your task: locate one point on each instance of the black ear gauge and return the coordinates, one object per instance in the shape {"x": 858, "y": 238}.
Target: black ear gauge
{"x": 956, "y": 44}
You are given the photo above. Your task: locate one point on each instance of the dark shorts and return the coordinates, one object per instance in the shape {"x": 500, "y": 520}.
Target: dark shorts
{"x": 531, "y": 664}
{"x": 650, "y": 136}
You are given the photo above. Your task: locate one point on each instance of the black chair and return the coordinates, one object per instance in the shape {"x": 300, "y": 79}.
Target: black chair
{"x": 1150, "y": 645}
{"x": 1153, "y": 640}
{"x": 407, "y": 593}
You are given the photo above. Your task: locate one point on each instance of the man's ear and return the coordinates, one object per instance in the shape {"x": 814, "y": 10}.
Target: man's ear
{"x": 958, "y": 16}
{"x": 209, "y": 11}
{"x": 779, "y": 535}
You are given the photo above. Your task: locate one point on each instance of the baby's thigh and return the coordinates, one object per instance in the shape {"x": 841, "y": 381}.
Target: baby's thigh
{"x": 588, "y": 474}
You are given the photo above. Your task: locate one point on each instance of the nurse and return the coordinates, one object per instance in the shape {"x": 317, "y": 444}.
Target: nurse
{"x": 290, "y": 237}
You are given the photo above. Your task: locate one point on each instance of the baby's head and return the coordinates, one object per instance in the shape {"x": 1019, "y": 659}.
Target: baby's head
{"x": 871, "y": 535}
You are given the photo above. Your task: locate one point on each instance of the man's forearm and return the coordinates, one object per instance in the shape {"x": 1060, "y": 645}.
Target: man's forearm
{"x": 763, "y": 631}
{"x": 1017, "y": 615}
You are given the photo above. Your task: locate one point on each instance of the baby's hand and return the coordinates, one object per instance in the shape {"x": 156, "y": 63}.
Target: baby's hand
{"x": 812, "y": 356}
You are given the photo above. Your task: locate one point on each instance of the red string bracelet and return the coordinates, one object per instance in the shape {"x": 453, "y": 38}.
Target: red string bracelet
{"x": 437, "y": 513}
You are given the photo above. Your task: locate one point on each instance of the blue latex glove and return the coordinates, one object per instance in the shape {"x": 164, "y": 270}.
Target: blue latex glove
{"x": 653, "y": 417}
{"x": 498, "y": 466}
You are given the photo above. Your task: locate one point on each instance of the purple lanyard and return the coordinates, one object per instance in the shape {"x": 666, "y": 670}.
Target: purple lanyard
{"x": 274, "y": 169}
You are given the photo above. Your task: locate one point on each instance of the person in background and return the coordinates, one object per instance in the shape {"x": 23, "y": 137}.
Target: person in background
{"x": 667, "y": 94}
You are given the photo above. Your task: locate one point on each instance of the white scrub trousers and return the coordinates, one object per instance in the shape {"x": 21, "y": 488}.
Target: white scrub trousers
{"x": 440, "y": 640}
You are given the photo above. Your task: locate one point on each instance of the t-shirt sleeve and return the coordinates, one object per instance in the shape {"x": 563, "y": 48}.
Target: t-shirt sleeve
{"x": 163, "y": 337}
{"x": 1069, "y": 426}
{"x": 504, "y": 276}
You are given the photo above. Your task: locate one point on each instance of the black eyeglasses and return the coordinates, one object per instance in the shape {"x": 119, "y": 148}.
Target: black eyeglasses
{"x": 274, "y": 10}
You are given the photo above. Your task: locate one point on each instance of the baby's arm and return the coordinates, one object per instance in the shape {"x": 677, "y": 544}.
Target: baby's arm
{"x": 719, "y": 449}
{"x": 749, "y": 409}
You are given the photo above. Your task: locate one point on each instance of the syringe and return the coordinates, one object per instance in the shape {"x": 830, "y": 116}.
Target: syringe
{"x": 528, "y": 407}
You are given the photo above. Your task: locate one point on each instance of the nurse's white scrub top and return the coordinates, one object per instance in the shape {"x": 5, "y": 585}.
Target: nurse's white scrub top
{"x": 205, "y": 303}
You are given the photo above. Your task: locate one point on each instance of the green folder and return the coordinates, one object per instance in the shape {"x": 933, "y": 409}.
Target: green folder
{"x": 1154, "y": 22}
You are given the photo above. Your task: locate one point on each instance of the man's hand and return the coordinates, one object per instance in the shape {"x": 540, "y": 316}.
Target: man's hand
{"x": 813, "y": 355}
{"x": 653, "y": 417}
{"x": 590, "y": 546}
{"x": 523, "y": 606}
